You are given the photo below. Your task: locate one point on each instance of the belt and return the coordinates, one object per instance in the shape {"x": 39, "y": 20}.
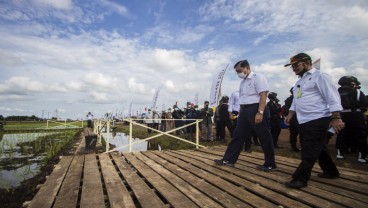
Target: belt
{"x": 248, "y": 105}
{"x": 350, "y": 110}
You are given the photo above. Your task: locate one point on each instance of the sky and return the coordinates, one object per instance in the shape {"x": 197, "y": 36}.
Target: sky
{"x": 66, "y": 58}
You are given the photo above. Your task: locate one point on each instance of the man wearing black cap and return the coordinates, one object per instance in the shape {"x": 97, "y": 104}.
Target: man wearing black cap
{"x": 317, "y": 104}
{"x": 252, "y": 117}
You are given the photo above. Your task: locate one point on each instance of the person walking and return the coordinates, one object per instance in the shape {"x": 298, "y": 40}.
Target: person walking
{"x": 317, "y": 104}
{"x": 89, "y": 120}
{"x": 252, "y": 117}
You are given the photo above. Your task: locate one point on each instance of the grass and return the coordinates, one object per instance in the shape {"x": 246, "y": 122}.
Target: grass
{"x": 29, "y": 125}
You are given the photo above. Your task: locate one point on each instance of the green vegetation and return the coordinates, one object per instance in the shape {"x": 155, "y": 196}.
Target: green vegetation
{"x": 29, "y": 125}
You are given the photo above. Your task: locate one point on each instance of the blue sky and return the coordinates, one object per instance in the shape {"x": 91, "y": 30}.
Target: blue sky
{"x": 100, "y": 55}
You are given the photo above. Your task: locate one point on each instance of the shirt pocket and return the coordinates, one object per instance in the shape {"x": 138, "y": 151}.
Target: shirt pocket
{"x": 309, "y": 85}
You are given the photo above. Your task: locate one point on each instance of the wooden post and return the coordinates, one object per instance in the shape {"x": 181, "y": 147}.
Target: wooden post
{"x": 130, "y": 134}
{"x": 108, "y": 135}
{"x": 197, "y": 134}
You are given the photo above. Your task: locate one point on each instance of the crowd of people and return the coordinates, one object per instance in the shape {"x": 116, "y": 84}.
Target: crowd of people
{"x": 314, "y": 111}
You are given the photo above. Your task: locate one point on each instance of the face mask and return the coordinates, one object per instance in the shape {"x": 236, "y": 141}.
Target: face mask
{"x": 241, "y": 75}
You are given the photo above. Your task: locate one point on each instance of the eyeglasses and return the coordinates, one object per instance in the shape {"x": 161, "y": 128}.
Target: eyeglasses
{"x": 296, "y": 65}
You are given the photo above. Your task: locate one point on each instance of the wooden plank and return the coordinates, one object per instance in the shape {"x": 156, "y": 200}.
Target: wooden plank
{"x": 215, "y": 193}
{"x": 92, "y": 193}
{"x": 344, "y": 187}
{"x": 144, "y": 194}
{"x": 45, "y": 197}
{"x": 190, "y": 191}
{"x": 118, "y": 195}
{"x": 169, "y": 192}
{"x": 259, "y": 177}
{"x": 219, "y": 182}
{"x": 68, "y": 195}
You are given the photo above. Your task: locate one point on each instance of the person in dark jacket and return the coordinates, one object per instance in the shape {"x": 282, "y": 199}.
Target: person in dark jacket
{"x": 354, "y": 134}
{"x": 207, "y": 114}
{"x": 223, "y": 119}
{"x": 293, "y": 126}
{"x": 275, "y": 112}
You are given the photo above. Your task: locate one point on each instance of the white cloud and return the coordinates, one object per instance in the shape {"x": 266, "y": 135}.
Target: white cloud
{"x": 57, "y": 4}
{"x": 136, "y": 86}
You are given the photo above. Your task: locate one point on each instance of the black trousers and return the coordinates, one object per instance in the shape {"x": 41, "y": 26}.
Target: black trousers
{"x": 354, "y": 133}
{"x": 245, "y": 126}
{"x": 221, "y": 125}
{"x": 314, "y": 136}
{"x": 294, "y": 132}
{"x": 275, "y": 128}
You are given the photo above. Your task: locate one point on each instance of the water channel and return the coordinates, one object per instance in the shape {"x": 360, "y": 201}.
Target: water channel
{"x": 22, "y": 155}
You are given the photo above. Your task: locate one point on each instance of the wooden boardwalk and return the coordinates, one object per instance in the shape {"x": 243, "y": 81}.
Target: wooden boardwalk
{"x": 189, "y": 178}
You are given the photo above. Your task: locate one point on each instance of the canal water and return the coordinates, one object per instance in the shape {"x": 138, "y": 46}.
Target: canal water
{"x": 22, "y": 155}
{"x": 120, "y": 139}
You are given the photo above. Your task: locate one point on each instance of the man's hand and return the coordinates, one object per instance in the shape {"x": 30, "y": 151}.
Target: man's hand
{"x": 337, "y": 125}
{"x": 289, "y": 117}
{"x": 259, "y": 118}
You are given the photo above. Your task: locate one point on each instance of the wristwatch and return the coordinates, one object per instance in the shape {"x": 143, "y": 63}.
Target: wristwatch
{"x": 260, "y": 112}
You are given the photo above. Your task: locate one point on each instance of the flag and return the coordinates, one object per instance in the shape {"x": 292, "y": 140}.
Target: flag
{"x": 154, "y": 100}
{"x": 130, "y": 109}
{"x": 317, "y": 64}
{"x": 216, "y": 87}
{"x": 196, "y": 99}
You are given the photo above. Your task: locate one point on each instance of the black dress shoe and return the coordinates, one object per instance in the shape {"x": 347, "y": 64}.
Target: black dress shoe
{"x": 266, "y": 168}
{"x": 329, "y": 176}
{"x": 278, "y": 146}
{"x": 223, "y": 162}
{"x": 295, "y": 184}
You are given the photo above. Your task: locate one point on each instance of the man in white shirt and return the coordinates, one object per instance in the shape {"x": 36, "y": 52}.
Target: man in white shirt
{"x": 252, "y": 117}
{"x": 317, "y": 103}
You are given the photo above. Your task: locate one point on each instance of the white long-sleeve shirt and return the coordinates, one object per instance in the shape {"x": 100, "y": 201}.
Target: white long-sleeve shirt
{"x": 315, "y": 96}
{"x": 234, "y": 102}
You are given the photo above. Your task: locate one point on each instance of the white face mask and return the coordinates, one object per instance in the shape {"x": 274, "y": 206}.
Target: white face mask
{"x": 242, "y": 75}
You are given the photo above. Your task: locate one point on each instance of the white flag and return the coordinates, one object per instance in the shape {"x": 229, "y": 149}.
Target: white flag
{"x": 317, "y": 64}
{"x": 216, "y": 87}
{"x": 154, "y": 100}
{"x": 196, "y": 99}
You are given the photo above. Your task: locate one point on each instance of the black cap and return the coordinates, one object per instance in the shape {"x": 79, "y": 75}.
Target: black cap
{"x": 297, "y": 58}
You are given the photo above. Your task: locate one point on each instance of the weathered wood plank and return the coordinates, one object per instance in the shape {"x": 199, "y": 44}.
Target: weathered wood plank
{"x": 144, "y": 194}
{"x": 171, "y": 194}
{"x": 68, "y": 194}
{"x": 191, "y": 192}
{"x": 92, "y": 193}
{"x": 45, "y": 197}
{"x": 220, "y": 182}
{"x": 215, "y": 193}
{"x": 261, "y": 178}
{"x": 118, "y": 195}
